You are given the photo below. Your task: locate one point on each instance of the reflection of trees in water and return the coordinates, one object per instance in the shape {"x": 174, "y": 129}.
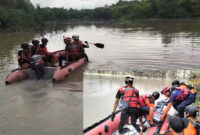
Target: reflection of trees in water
{"x": 166, "y": 40}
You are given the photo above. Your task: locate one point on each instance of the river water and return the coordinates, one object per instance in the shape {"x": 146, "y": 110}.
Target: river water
{"x": 40, "y": 107}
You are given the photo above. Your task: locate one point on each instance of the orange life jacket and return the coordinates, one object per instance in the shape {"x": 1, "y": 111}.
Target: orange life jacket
{"x": 23, "y": 59}
{"x": 183, "y": 95}
{"x": 76, "y": 49}
{"x": 42, "y": 51}
{"x": 143, "y": 99}
{"x": 189, "y": 128}
{"x": 128, "y": 93}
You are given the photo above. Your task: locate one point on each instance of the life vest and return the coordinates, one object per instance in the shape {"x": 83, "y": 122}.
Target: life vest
{"x": 127, "y": 93}
{"x": 23, "y": 59}
{"x": 76, "y": 49}
{"x": 190, "y": 127}
{"x": 183, "y": 95}
{"x": 33, "y": 50}
{"x": 143, "y": 98}
{"x": 183, "y": 86}
{"x": 42, "y": 51}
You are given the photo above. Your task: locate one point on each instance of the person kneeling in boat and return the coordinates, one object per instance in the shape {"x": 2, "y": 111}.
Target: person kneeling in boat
{"x": 179, "y": 98}
{"x": 131, "y": 95}
{"x": 76, "y": 49}
{"x": 34, "y": 47}
{"x": 24, "y": 56}
{"x": 42, "y": 50}
{"x": 37, "y": 64}
{"x": 147, "y": 103}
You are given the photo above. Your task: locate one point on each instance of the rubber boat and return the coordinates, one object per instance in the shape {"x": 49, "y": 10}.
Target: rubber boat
{"x": 61, "y": 73}
{"x": 58, "y": 73}
{"x": 107, "y": 127}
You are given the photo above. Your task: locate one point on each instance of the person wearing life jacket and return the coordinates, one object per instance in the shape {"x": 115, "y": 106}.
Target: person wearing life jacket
{"x": 192, "y": 89}
{"x": 178, "y": 97}
{"x": 183, "y": 85}
{"x": 42, "y": 50}
{"x": 176, "y": 126}
{"x": 147, "y": 103}
{"x": 67, "y": 41}
{"x": 24, "y": 56}
{"x": 34, "y": 47}
{"x": 192, "y": 126}
{"x": 76, "y": 49}
{"x": 37, "y": 64}
{"x": 130, "y": 94}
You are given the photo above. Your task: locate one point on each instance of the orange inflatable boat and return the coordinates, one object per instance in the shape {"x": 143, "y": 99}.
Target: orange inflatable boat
{"x": 61, "y": 73}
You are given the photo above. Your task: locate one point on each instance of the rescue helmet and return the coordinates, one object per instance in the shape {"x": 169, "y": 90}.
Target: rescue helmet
{"x": 67, "y": 39}
{"x": 190, "y": 86}
{"x": 176, "y": 82}
{"x": 25, "y": 46}
{"x": 75, "y": 37}
{"x": 156, "y": 95}
{"x": 191, "y": 110}
{"x": 35, "y": 42}
{"x": 165, "y": 89}
{"x": 129, "y": 79}
{"x": 44, "y": 40}
{"x": 182, "y": 83}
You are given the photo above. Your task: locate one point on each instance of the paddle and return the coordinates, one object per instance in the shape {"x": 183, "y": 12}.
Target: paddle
{"x": 98, "y": 45}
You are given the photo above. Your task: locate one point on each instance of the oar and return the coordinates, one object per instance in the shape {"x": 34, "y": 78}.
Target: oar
{"x": 99, "y": 45}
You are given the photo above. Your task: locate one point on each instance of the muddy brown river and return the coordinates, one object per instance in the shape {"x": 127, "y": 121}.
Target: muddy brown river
{"x": 40, "y": 107}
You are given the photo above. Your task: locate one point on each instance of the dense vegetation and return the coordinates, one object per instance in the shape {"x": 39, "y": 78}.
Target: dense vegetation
{"x": 23, "y": 13}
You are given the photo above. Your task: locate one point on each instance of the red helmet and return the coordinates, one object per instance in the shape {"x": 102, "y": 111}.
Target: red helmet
{"x": 165, "y": 89}
{"x": 67, "y": 39}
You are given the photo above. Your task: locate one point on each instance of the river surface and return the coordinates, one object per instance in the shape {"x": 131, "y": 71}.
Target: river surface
{"x": 40, "y": 107}
{"x": 35, "y": 107}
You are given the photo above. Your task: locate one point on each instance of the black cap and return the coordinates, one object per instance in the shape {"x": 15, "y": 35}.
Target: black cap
{"x": 156, "y": 95}
{"x": 24, "y": 45}
{"x": 35, "y": 42}
{"x": 44, "y": 40}
{"x": 176, "y": 82}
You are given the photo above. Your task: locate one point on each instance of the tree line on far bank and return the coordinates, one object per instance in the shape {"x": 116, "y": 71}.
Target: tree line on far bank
{"x": 22, "y": 13}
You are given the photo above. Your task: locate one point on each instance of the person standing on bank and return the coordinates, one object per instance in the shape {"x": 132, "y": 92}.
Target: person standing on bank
{"x": 130, "y": 94}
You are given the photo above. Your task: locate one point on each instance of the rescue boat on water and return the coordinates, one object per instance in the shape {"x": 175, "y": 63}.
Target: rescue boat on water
{"x": 108, "y": 127}
{"x": 58, "y": 73}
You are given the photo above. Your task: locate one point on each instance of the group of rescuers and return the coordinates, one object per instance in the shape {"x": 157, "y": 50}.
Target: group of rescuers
{"x": 180, "y": 95}
{"x": 37, "y": 56}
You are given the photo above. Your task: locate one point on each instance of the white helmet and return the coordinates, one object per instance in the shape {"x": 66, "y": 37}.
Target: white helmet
{"x": 129, "y": 79}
